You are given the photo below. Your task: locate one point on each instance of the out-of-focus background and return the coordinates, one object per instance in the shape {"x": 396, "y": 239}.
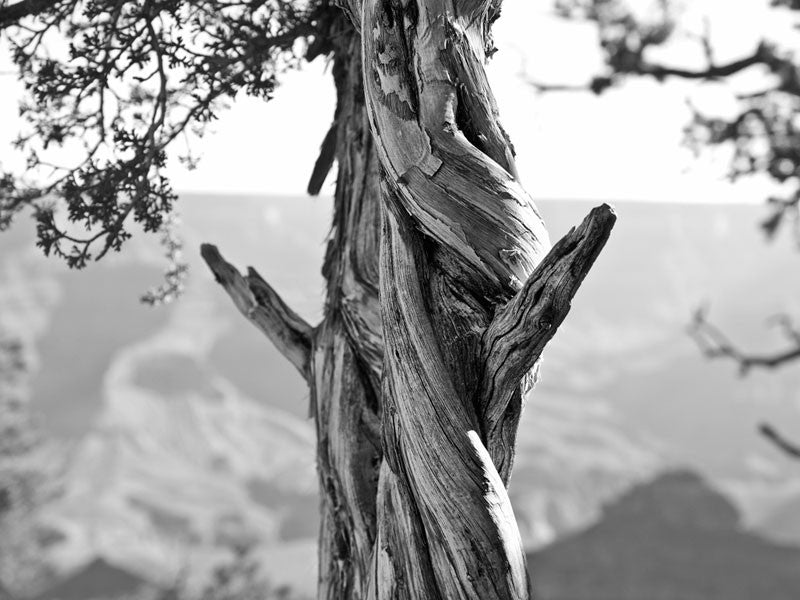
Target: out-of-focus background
{"x": 161, "y": 439}
{"x": 172, "y": 433}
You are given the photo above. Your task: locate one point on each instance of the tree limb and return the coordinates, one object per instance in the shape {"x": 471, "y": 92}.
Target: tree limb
{"x": 763, "y": 55}
{"x": 769, "y": 432}
{"x": 716, "y": 344}
{"x": 597, "y": 85}
{"x": 325, "y": 160}
{"x": 257, "y": 301}
{"x": 519, "y": 330}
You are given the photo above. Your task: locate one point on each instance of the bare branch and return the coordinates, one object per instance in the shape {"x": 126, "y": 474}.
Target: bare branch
{"x": 790, "y": 448}
{"x": 325, "y": 160}
{"x": 716, "y": 344}
{"x": 763, "y": 55}
{"x": 519, "y": 331}
{"x": 257, "y": 301}
{"x": 786, "y": 324}
{"x": 597, "y": 85}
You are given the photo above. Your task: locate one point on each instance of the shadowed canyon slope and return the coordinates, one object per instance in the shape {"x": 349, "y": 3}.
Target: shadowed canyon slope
{"x": 673, "y": 538}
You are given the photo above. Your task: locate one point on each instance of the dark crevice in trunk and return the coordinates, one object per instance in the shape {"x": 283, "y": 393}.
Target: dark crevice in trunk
{"x": 465, "y": 123}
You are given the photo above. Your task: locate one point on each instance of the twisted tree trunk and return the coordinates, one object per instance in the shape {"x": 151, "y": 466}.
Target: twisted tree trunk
{"x": 419, "y": 368}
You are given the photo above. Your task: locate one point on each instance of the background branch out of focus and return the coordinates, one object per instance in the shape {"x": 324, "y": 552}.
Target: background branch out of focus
{"x": 158, "y": 462}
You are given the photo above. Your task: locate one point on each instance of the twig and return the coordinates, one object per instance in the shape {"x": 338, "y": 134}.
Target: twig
{"x": 781, "y": 442}
{"x": 716, "y": 344}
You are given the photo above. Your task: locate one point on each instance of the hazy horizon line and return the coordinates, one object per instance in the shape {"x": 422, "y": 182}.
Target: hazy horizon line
{"x": 295, "y": 195}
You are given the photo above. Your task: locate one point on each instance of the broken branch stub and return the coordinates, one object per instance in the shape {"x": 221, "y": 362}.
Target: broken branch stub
{"x": 262, "y": 306}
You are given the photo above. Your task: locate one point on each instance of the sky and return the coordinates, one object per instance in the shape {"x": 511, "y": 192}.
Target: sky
{"x": 622, "y": 145}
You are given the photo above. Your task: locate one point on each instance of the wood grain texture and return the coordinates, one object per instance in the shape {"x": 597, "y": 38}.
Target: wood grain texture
{"x": 348, "y": 354}
{"x": 514, "y": 340}
{"x": 348, "y": 459}
{"x": 461, "y": 197}
{"x": 460, "y": 237}
{"x": 442, "y": 291}
{"x": 263, "y": 307}
{"x": 432, "y": 444}
{"x": 343, "y": 357}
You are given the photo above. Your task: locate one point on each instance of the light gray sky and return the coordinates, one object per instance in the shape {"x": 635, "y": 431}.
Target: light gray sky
{"x": 622, "y": 145}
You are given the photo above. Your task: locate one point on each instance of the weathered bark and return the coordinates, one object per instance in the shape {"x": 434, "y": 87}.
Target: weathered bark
{"x": 419, "y": 367}
{"x": 348, "y": 351}
{"x": 257, "y": 301}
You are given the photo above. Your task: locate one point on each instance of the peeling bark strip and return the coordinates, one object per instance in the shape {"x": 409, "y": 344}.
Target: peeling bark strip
{"x": 416, "y": 54}
{"x": 262, "y": 306}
